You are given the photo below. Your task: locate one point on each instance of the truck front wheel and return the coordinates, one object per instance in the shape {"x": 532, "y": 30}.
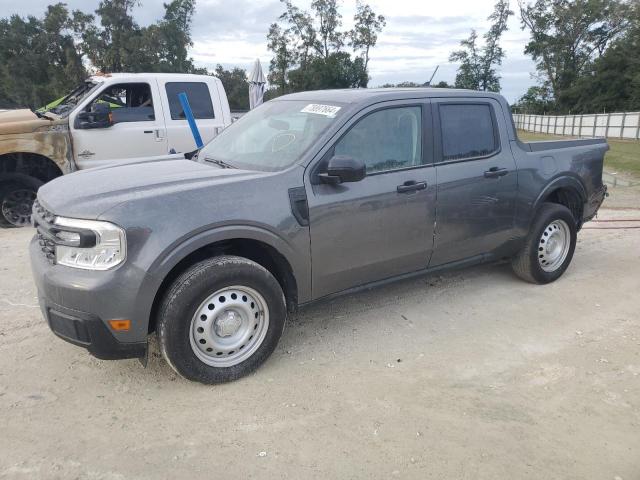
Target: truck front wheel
{"x": 17, "y": 194}
{"x": 549, "y": 248}
{"x": 221, "y": 319}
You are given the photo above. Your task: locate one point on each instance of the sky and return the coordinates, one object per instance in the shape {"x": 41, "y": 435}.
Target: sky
{"x": 420, "y": 35}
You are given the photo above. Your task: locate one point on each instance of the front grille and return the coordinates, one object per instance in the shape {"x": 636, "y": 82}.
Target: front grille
{"x": 48, "y": 247}
{"x": 43, "y": 222}
{"x": 42, "y": 214}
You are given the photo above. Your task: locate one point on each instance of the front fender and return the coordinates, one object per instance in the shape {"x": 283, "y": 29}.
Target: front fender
{"x": 172, "y": 255}
{"x": 182, "y": 248}
{"x": 55, "y": 145}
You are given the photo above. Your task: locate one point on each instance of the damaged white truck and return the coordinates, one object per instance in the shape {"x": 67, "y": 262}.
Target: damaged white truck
{"x": 108, "y": 119}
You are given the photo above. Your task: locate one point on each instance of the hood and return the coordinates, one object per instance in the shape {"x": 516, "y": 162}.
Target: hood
{"x": 20, "y": 121}
{"x": 89, "y": 193}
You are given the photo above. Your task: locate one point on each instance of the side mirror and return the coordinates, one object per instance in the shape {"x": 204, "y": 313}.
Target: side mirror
{"x": 100, "y": 116}
{"x": 342, "y": 169}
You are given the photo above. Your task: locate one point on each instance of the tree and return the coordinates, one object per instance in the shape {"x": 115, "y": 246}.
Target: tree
{"x": 308, "y": 47}
{"x": 38, "y": 58}
{"x": 119, "y": 44}
{"x": 568, "y": 35}
{"x": 329, "y": 38}
{"x": 612, "y": 81}
{"x": 477, "y": 70}
{"x": 538, "y": 100}
{"x": 236, "y": 86}
{"x": 440, "y": 84}
{"x": 42, "y": 59}
{"x": 111, "y": 47}
{"x": 284, "y": 57}
{"x": 174, "y": 32}
{"x": 302, "y": 41}
{"x": 364, "y": 35}
{"x": 468, "y": 74}
{"x": 338, "y": 70}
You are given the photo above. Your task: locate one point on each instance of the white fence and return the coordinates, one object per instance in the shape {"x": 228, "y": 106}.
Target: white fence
{"x": 624, "y": 125}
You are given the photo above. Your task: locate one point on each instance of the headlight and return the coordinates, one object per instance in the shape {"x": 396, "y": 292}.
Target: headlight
{"x": 89, "y": 244}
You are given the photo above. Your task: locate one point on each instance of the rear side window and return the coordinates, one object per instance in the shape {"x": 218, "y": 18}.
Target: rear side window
{"x": 198, "y": 96}
{"x": 467, "y": 131}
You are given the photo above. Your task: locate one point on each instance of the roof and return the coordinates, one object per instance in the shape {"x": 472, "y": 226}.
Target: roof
{"x": 372, "y": 95}
{"x": 108, "y": 76}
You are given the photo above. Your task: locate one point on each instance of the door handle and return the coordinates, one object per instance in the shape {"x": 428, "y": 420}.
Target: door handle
{"x": 148, "y": 131}
{"x": 495, "y": 172}
{"x": 411, "y": 186}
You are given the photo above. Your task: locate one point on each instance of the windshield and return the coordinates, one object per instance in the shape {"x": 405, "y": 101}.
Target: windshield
{"x": 64, "y": 105}
{"x": 271, "y": 137}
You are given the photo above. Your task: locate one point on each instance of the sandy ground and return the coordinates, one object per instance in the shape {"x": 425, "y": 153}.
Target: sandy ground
{"x": 472, "y": 375}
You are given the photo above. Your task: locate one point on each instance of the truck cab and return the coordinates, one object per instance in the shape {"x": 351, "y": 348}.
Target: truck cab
{"x": 107, "y": 120}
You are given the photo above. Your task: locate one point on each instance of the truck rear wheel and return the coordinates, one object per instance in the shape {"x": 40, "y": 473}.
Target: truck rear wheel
{"x": 17, "y": 194}
{"x": 221, "y": 319}
{"x": 549, "y": 248}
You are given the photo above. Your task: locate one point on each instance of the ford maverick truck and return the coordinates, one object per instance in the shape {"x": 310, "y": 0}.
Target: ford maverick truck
{"x": 308, "y": 196}
{"x": 107, "y": 120}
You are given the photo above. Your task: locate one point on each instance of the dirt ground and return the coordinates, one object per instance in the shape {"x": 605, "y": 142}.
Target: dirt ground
{"x": 468, "y": 375}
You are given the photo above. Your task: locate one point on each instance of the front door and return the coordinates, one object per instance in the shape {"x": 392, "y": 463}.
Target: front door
{"x": 477, "y": 180}
{"x": 138, "y": 130}
{"x": 381, "y": 226}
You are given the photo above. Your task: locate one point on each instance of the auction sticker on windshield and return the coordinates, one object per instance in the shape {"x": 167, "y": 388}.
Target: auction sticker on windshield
{"x": 326, "y": 110}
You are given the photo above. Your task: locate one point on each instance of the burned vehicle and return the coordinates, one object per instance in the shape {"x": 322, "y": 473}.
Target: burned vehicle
{"x": 107, "y": 120}
{"x": 308, "y": 196}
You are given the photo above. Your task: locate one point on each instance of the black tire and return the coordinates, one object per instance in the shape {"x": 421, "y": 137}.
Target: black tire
{"x": 193, "y": 287}
{"x": 10, "y": 184}
{"x": 527, "y": 264}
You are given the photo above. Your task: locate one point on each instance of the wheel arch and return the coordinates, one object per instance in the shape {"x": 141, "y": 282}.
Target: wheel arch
{"x": 260, "y": 247}
{"x": 31, "y": 164}
{"x": 567, "y": 191}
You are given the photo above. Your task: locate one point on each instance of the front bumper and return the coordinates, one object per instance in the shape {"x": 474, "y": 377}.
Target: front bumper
{"x": 77, "y": 305}
{"x": 88, "y": 331}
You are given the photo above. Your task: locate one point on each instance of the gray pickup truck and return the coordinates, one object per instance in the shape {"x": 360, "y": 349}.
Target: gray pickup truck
{"x": 308, "y": 196}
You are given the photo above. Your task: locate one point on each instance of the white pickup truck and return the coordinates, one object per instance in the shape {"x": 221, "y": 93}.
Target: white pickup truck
{"x": 113, "y": 118}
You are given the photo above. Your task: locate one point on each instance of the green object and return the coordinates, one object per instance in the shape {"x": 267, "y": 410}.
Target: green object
{"x": 49, "y": 106}
{"x": 57, "y": 102}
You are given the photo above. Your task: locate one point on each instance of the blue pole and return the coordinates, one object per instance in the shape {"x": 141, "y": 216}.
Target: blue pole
{"x": 186, "y": 108}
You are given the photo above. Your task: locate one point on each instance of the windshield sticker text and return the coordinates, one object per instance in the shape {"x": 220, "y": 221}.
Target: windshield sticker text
{"x": 326, "y": 110}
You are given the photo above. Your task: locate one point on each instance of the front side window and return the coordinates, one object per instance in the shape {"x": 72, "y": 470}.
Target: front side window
{"x": 467, "y": 131}
{"x": 129, "y": 102}
{"x": 388, "y": 139}
{"x": 198, "y": 96}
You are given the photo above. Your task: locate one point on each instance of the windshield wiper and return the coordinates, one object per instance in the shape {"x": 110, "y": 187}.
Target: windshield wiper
{"x": 220, "y": 163}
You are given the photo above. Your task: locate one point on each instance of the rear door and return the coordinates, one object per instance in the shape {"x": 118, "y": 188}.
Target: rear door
{"x": 202, "y": 96}
{"x": 381, "y": 226}
{"x": 477, "y": 180}
{"x": 137, "y": 132}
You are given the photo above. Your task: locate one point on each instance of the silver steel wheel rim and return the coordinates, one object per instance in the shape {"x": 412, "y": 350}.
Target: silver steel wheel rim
{"x": 229, "y": 326}
{"x": 16, "y": 207}
{"x": 553, "y": 246}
